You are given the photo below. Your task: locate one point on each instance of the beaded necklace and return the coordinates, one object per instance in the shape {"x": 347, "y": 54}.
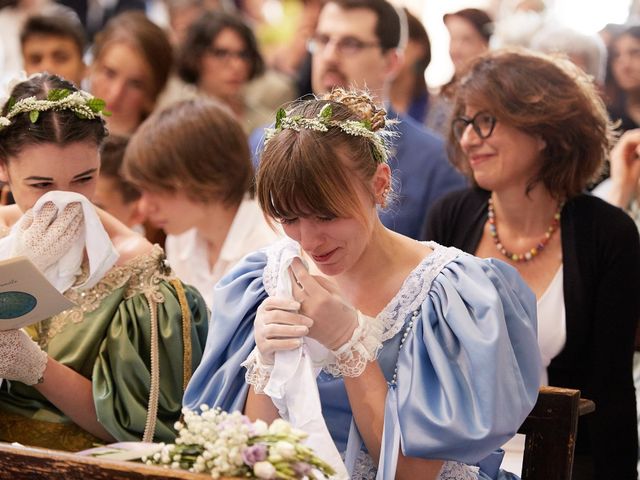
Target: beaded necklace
{"x": 527, "y": 256}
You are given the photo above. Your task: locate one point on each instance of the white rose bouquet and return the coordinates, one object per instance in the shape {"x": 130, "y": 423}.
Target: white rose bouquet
{"x": 230, "y": 445}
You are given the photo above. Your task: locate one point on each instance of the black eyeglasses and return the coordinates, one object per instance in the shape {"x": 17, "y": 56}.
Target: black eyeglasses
{"x": 226, "y": 55}
{"x": 482, "y": 123}
{"x": 346, "y": 46}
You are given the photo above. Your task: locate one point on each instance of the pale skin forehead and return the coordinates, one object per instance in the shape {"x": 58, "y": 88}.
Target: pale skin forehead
{"x": 360, "y": 22}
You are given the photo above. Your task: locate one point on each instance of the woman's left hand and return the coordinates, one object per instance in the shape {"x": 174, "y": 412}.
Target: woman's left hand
{"x": 334, "y": 320}
{"x": 21, "y": 358}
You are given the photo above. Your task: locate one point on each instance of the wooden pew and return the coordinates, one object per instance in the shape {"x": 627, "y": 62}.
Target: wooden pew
{"x": 34, "y": 463}
{"x": 550, "y": 431}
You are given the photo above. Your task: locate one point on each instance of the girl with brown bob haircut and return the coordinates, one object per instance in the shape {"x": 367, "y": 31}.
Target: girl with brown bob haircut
{"x": 375, "y": 299}
{"x": 192, "y": 164}
{"x": 531, "y": 132}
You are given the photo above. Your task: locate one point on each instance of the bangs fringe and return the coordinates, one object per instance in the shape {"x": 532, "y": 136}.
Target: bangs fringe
{"x": 292, "y": 184}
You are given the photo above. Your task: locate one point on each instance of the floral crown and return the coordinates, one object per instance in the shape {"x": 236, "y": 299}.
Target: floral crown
{"x": 81, "y": 103}
{"x": 322, "y": 122}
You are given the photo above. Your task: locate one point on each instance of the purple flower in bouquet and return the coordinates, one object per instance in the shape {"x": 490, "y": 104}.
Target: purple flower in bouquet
{"x": 253, "y": 454}
{"x": 302, "y": 469}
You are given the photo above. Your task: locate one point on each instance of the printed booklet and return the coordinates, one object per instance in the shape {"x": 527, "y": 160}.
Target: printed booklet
{"x": 26, "y": 296}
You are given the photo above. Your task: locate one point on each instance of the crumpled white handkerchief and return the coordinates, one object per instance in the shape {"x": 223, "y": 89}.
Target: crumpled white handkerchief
{"x": 101, "y": 253}
{"x": 292, "y": 385}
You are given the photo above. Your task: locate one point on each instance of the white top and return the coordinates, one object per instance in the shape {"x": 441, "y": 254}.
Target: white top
{"x": 552, "y": 336}
{"x": 187, "y": 253}
{"x": 552, "y": 322}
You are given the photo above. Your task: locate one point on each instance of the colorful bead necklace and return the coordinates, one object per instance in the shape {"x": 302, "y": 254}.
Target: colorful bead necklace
{"x": 527, "y": 256}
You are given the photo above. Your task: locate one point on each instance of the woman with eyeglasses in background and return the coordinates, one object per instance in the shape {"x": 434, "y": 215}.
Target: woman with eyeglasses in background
{"x": 220, "y": 56}
{"x": 530, "y": 132}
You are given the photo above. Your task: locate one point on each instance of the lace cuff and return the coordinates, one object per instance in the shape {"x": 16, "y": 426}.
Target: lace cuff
{"x": 258, "y": 372}
{"x": 351, "y": 359}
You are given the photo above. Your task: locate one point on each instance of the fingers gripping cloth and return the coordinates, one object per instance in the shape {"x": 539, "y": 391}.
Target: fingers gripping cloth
{"x": 46, "y": 235}
{"x": 21, "y": 358}
{"x": 55, "y": 234}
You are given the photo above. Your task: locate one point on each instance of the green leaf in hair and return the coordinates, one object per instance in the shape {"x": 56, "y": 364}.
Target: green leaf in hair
{"x": 281, "y": 114}
{"x": 57, "y": 94}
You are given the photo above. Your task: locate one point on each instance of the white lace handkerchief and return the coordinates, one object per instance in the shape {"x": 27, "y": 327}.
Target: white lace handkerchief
{"x": 292, "y": 385}
{"x": 101, "y": 253}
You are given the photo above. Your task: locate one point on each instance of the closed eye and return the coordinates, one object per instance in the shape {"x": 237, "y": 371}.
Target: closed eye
{"x": 84, "y": 179}
{"x": 41, "y": 185}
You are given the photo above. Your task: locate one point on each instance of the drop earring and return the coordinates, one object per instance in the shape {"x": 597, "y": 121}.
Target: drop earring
{"x": 385, "y": 194}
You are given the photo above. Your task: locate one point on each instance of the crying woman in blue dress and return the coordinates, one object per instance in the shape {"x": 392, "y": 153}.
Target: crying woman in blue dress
{"x": 432, "y": 361}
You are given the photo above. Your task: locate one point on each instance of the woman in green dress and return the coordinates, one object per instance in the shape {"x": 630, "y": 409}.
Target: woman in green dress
{"x": 113, "y": 367}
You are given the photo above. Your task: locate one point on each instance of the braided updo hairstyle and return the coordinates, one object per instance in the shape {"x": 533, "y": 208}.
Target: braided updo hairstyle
{"x": 308, "y": 172}
{"x": 60, "y": 127}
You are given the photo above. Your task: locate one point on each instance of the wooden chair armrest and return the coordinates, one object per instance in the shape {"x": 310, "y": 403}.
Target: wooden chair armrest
{"x": 550, "y": 431}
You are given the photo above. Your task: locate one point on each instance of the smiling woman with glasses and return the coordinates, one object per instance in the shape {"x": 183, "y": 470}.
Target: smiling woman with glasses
{"x": 531, "y": 131}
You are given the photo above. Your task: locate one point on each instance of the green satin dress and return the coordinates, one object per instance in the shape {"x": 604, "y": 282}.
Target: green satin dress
{"x": 138, "y": 334}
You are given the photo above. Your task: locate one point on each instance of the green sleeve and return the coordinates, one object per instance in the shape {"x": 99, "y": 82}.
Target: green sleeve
{"x": 122, "y": 370}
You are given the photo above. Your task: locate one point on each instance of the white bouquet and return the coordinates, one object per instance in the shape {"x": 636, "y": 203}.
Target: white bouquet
{"x": 230, "y": 445}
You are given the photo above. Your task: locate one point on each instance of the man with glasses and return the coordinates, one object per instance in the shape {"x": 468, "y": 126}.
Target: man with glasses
{"x": 356, "y": 44}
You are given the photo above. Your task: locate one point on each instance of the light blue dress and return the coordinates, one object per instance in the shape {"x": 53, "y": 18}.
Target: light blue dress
{"x": 460, "y": 383}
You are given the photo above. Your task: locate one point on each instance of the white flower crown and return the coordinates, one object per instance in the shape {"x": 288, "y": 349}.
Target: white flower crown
{"x": 322, "y": 122}
{"x": 83, "y": 104}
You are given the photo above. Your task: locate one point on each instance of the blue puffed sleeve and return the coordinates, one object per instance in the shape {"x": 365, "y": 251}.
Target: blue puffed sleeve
{"x": 469, "y": 374}
{"x": 219, "y": 379}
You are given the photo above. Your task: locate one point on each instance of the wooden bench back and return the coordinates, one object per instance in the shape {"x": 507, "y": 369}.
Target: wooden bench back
{"x": 550, "y": 431}
{"x": 35, "y": 463}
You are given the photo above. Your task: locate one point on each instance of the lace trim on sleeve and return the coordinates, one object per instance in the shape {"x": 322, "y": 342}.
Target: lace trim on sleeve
{"x": 258, "y": 373}
{"x": 351, "y": 359}
{"x": 415, "y": 289}
{"x": 458, "y": 471}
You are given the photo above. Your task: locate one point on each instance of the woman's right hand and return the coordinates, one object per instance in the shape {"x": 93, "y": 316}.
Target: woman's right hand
{"x": 625, "y": 168}
{"x": 278, "y": 326}
{"x": 45, "y": 236}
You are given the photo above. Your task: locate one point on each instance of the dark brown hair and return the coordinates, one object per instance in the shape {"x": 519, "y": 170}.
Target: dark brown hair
{"x": 111, "y": 156}
{"x": 196, "y": 147}
{"x": 56, "y": 21}
{"x": 543, "y": 96}
{"x": 479, "y": 20}
{"x": 308, "y": 172}
{"x": 388, "y": 21}
{"x": 60, "y": 127}
{"x": 203, "y": 32}
{"x": 136, "y": 30}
